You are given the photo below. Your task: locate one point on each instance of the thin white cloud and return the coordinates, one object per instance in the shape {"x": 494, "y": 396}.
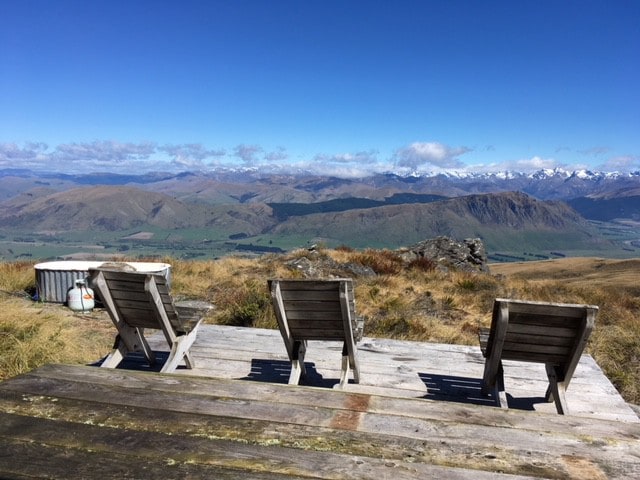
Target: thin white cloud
{"x": 106, "y": 155}
{"x": 278, "y": 156}
{"x": 31, "y": 155}
{"x": 341, "y": 170}
{"x": 248, "y": 153}
{"x": 257, "y": 156}
{"x": 187, "y": 163}
{"x": 595, "y": 151}
{"x": 106, "y": 152}
{"x": 358, "y": 158}
{"x": 524, "y": 165}
{"x": 421, "y": 155}
{"x": 563, "y": 149}
{"x": 195, "y": 151}
{"x": 345, "y": 165}
{"x": 534, "y": 164}
{"x": 622, "y": 163}
{"x": 191, "y": 155}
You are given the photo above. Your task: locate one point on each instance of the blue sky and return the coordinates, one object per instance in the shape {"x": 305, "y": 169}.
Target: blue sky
{"x": 349, "y": 87}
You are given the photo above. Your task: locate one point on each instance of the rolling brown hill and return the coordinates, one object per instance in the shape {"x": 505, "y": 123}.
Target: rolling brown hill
{"x": 97, "y": 208}
{"x": 503, "y": 220}
{"x": 115, "y": 208}
{"x": 14, "y": 185}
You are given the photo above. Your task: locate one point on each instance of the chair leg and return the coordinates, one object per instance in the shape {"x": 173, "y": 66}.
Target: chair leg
{"x": 189, "y": 361}
{"x": 179, "y": 350}
{"x": 349, "y": 359}
{"x": 500, "y": 393}
{"x": 344, "y": 374}
{"x": 297, "y": 362}
{"x": 117, "y": 354}
{"x": 144, "y": 347}
{"x": 353, "y": 361}
{"x": 556, "y": 390}
{"x": 188, "y": 358}
{"x": 135, "y": 341}
{"x": 129, "y": 340}
{"x": 495, "y": 387}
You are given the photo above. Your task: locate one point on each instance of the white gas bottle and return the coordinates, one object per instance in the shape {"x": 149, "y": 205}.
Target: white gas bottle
{"x": 80, "y": 298}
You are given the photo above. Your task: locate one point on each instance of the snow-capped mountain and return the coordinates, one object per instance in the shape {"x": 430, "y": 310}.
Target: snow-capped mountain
{"x": 252, "y": 184}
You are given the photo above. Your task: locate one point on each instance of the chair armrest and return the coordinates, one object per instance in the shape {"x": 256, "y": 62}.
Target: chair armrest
{"x": 191, "y": 312}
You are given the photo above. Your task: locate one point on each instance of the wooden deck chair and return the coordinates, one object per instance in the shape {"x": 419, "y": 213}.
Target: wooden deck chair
{"x": 551, "y": 333}
{"x": 317, "y": 310}
{"x": 139, "y": 300}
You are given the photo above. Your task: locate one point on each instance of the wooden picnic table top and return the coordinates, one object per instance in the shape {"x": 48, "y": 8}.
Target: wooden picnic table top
{"x": 413, "y": 416}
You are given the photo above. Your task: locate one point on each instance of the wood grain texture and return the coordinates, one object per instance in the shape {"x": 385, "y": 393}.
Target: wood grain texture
{"x": 420, "y": 421}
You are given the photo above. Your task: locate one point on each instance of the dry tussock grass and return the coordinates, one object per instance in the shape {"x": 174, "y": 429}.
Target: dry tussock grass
{"x": 414, "y": 303}
{"x": 16, "y": 276}
{"x": 33, "y": 334}
{"x": 383, "y": 262}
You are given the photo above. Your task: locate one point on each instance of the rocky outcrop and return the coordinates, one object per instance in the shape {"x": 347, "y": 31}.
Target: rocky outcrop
{"x": 317, "y": 265}
{"x": 468, "y": 255}
{"x": 445, "y": 254}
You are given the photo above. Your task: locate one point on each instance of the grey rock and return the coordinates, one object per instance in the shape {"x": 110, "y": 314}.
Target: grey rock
{"x": 467, "y": 255}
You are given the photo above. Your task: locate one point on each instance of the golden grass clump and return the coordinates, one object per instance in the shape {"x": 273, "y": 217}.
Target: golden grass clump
{"x": 16, "y": 277}
{"x": 32, "y": 335}
{"x": 383, "y": 262}
{"x": 615, "y": 342}
{"x": 237, "y": 286}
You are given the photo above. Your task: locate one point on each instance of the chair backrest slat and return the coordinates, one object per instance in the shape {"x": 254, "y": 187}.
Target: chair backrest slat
{"x": 313, "y": 309}
{"x": 317, "y": 310}
{"x": 545, "y": 332}
{"x": 131, "y": 298}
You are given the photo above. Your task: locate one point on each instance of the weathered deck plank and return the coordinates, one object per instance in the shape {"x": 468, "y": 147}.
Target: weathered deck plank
{"x": 417, "y": 414}
{"x": 402, "y": 368}
{"x": 188, "y": 422}
{"x": 193, "y": 457}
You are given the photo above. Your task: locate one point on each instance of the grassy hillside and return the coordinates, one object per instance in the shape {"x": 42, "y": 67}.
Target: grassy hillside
{"x": 607, "y": 209}
{"x": 598, "y": 273}
{"x": 507, "y": 221}
{"x": 415, "y": 301}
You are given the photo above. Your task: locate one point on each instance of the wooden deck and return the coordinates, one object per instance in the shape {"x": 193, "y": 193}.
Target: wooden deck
{"x": 417, "y": 414}
{"x": 395, "y": 368}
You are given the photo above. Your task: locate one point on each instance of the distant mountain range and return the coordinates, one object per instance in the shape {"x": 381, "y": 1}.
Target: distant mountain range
{"x": 381, "y": 210}
{"x": 246, "y": 184}
{"x": 601, "y": 195}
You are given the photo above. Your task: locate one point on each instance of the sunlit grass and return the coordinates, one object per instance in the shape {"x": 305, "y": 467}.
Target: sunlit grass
{"x": 33, "y": 334}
